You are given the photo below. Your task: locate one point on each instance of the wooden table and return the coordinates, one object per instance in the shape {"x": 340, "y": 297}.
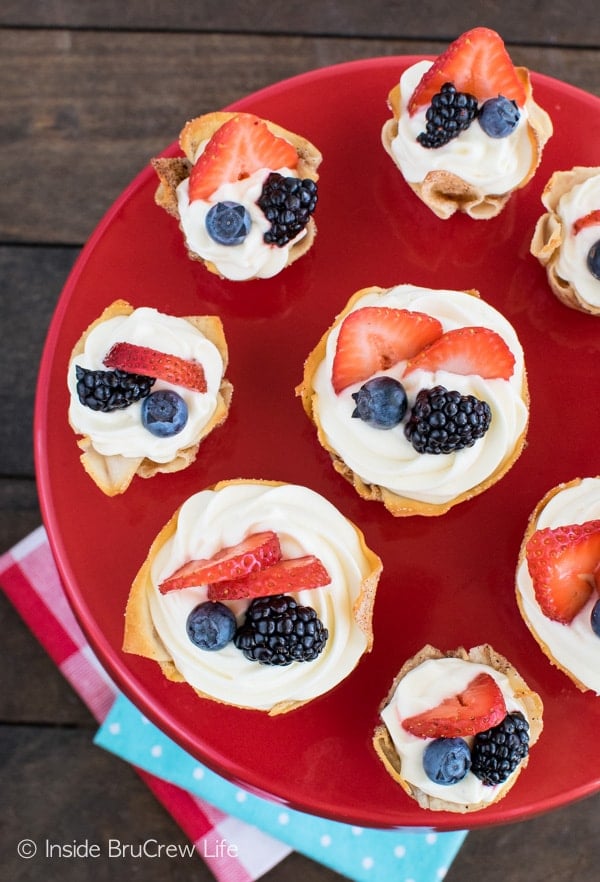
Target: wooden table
{"x": 89, "y": 91}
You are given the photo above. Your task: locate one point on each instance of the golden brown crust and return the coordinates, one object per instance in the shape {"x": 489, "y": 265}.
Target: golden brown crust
{"x": 114, "y": 474}
{"x": 172, "y": 171}
{"x": 444, "y": 192}
{"x": 483, "y": 654}
{"x": 549, "y": 235}
{"x": 398, "y": 506}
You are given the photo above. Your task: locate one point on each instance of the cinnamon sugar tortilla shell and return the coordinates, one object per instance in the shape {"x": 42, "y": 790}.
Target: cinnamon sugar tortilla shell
{"x": 549, "y": 235}
{"x": 171, "y": 172}
{"x": 141, "y": 637}
{"x": 483, "y": 654}
{"x": 114, "y": 474}
{"x": 444, "y": 192}
{"x": 397, "y": 505}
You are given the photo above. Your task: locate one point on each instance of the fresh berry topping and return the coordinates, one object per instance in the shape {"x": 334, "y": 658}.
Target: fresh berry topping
{"x": 283, "y": 577}
{"x": 588, "y": 220}
{"x": 211, "y": 625}
{"x": 234, "y": 562}
{"x": 449, "y": 114}
{"x": 476, "y": 62}
{"x": 561, "y": 563}
{"x": 498, "y": 117}
{"x": 595, "y": 618}
{"x": 164, "y": 413}
{"x": 277, "y": 631}
{"x": 443, "y": 421}
{"x": 446, "y": 760}
{"x": 288, "y": 204}
{"x": 381, "y": 402}
{"x": 593, "y": 260}
{"x": 473, "y": 710}
{"x": 470, "y": 350}
{"x": 374, "y": 338}
{"x": 110, "y": 390}
{"x": 170, "y": 368}
{"x": 228, "y": 223}
{"x": 241, "y": 146}
{"x": 498, "y": 751}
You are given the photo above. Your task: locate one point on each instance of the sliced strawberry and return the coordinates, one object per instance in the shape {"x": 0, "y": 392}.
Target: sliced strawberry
{"x": 284, "y": 577}
{"x": 241, "y": 146}
{"x": 160, "y": 365}
{"x": 255, "y": 552}
{"x": 471, "y": 350}
{"x": 477, "y": 708}
{"x": 588, "y": 220}
{"x": 476, "y": 62}
{"x": 374, "y": 338}
{"x": 562, "y": 563}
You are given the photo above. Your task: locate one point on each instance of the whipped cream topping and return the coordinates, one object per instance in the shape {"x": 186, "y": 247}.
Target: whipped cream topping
{"x": 305, "y": 523}
{"x": 387, "y": 458}
{"x": 493, "y": 165}
{"x": 574, "y": 646}
{"x": 425, "y": 687}
{"x": 120, "y": 432}
{"x": 571, "y": 264}
{"x": 253, "y": 258}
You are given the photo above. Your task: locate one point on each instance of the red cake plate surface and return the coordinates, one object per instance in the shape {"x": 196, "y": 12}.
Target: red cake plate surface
{"x": 447, "y": 580}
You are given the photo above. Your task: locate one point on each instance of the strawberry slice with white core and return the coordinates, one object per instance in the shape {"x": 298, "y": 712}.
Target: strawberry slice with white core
{"x": 592, "y": 218}
{"x": 253, "y": 553}
{"x": 563, "y": 563}
{"x": 284, "y": 577}
{"x": 477, "y": 708}
{"x": 374, "y": 338}
{"x": 161, "y": 365}
{"x": 470, "y": 350}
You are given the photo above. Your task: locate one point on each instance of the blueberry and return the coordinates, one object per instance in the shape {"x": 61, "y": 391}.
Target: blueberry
{"x": 211, "y": 625}
{"x": 447, "y": 760}
{"x": 593, "y": 260}
{"x": 498, "y": 116}
{"x": 380, "y": 402}
{"x": 595, "y": 618}
{"x": 164, "y": 413}
{"x": 228, "y": 223}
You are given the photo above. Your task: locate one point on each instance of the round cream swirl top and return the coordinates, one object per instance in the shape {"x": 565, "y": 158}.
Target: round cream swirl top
{"x": 121, "y": 431}
{"x": 305, "y": 523}
{"x": 572, "y": 257}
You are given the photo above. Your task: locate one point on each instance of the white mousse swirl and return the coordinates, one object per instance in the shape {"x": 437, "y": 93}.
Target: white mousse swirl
{"x": 425, "y": 687}
{"x": 121, "y": 432}
{"x": 386, "y": 457}
{"x": 574, "y": 646}
{"x": 493, "y": 165}
{"x": 571, "y": 264}
{"x": 305, "y": 523}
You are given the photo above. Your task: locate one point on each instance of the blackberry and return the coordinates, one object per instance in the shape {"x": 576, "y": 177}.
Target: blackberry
{"x": 443, "y": 421}
{"x": 110, "y": 390}
{"x": 498, "y": 751}
{"x": 277, "y": 631}
{"x": 288, "y": 204}
{"x": 449, "y": 114}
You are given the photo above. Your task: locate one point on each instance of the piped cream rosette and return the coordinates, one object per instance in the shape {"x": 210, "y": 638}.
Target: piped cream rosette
{"x": 569, "y": 196}
{"x": 422, "y": 682}
{"x": 116, "y": 446}
{"x": 220, "y": 517}
{"x": 253, "y": 258}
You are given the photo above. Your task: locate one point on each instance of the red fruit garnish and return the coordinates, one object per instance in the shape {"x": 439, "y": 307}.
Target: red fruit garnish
{"x": 588, "y": 220}
{"x": 374, "y": 338}
{"x": 234, "y": 562}
{"x": 471, "y": 350}
{"x": 284, "y": 577}
{"x": 476, "y": 62}
{"x": 477, "y": 708}
{"x": 562, "y": 563}
{"x": 237, "y": 149}
{"x": 160, "y": 365}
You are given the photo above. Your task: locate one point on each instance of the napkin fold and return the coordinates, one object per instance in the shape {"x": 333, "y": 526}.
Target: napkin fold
{"x": 238, "y": 834}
